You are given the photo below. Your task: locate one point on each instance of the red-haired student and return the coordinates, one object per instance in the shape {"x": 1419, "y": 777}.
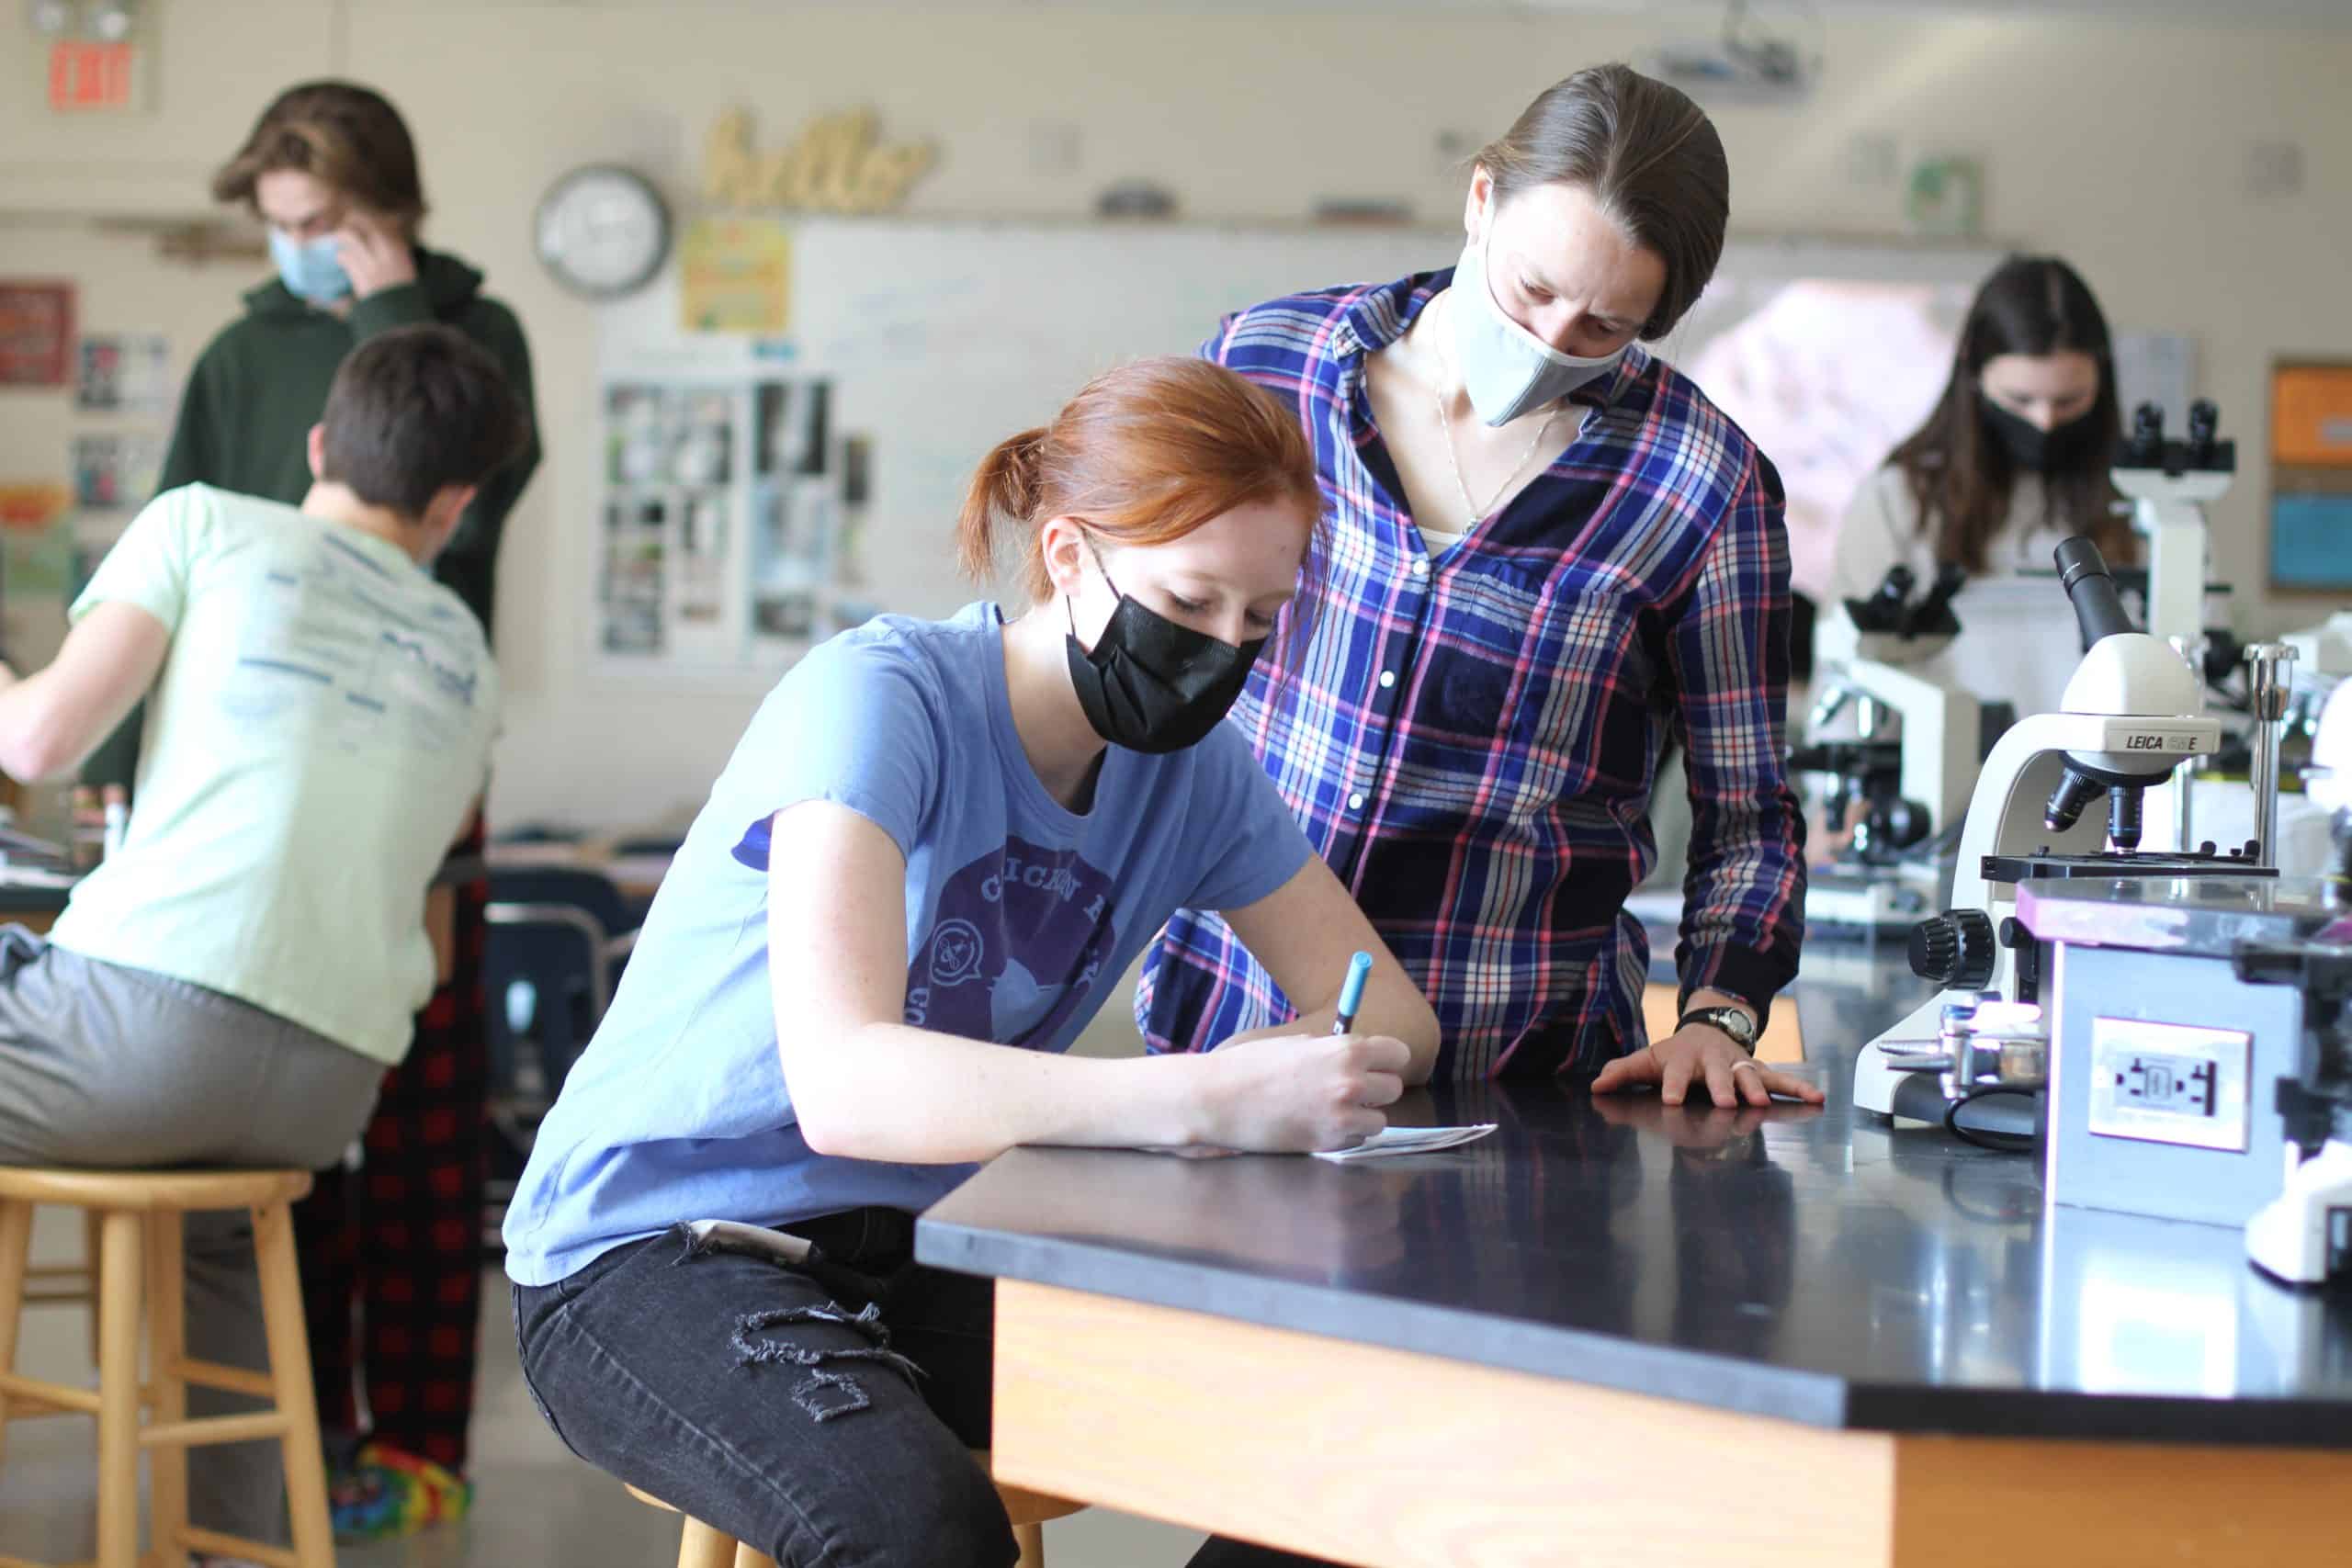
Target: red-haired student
{"x": 936, "y": 847}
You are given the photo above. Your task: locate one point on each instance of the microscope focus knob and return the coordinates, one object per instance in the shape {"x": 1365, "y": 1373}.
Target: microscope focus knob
{"x": 1955, "y": 949}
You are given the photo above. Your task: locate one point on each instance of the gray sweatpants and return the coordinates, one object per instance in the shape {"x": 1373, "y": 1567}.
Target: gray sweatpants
{"x": 110, "y": 1066}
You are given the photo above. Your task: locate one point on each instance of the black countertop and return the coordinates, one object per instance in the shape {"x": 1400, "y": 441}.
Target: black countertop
{"x": 1814, "y": 1265}
{"x": 31, "y": 898}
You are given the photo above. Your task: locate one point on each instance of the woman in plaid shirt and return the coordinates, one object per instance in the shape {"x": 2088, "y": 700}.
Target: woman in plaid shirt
{"x": 1551, "y": 556}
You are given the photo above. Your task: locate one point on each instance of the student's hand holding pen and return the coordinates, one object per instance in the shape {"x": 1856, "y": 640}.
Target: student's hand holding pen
{"x": 1302, "y": 1092}
{"x": 1295, "y": 1093}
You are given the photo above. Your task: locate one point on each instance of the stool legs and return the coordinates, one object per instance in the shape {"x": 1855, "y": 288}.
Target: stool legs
{"x": 166, "y": 1350}
{"x": 120, "y": 1298}
{"x": 91, "y": 1220}
{"x": 747, "y": 1558}
{"x": 15, "y": 1247}
{"x": 1031, "y": 1539}
{"x": 289, "y": 1369}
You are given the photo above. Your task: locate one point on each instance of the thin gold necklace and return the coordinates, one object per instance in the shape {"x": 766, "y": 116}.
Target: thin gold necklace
{"x": 1446, "y": 423}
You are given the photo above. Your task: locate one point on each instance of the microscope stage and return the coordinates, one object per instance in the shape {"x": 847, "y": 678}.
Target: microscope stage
{"x": 2110, "y": 867}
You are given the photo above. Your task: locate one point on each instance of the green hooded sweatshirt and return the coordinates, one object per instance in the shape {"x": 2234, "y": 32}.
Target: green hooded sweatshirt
{"x": 245, "y": 419}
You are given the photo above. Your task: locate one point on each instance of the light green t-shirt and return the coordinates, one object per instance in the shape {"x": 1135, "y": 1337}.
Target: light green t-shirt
{"x": 319, "y": 731}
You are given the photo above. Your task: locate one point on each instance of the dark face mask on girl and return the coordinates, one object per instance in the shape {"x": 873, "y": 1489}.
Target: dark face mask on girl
{"x": 1151, "y": 685}
{"x": 2033, "y": 448}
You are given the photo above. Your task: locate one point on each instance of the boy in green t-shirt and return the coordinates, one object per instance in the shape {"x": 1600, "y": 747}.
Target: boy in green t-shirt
{"x": 229, "y": 986}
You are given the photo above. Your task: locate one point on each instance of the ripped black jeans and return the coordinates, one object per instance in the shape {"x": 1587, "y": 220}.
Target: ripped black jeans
{"x": 820, "y": 1413}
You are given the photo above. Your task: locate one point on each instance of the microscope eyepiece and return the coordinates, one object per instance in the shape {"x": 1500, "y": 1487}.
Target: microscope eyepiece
{"x": 2098, "y": 610}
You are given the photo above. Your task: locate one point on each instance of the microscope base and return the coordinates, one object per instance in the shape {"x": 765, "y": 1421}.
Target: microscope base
{"x": 1881, "y": 1086}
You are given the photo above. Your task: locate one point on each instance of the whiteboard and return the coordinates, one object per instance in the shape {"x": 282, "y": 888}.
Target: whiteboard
{"x": 942, "y": 337}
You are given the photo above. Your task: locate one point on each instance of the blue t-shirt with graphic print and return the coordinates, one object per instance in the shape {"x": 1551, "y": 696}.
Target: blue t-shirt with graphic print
{"x": 1020, "y": 914}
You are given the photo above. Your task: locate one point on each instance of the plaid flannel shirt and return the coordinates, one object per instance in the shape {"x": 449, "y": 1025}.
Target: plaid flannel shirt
{"x": 1470, "y": 741}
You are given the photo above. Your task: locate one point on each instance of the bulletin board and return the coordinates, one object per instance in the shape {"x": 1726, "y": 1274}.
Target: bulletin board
{"x": 2311, "y": 476}
{"x": 732, "y": 521}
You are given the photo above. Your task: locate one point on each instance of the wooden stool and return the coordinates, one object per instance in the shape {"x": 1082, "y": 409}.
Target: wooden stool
{"x": 700, "y": 1546}
{"x": 138, "y": 1258}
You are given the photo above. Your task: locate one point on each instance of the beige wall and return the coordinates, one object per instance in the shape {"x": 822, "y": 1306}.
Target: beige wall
{"x": 2122, "y": 146}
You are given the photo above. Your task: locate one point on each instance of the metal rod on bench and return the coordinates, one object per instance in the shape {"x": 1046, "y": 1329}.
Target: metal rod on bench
{"x": 2270, "y": 675}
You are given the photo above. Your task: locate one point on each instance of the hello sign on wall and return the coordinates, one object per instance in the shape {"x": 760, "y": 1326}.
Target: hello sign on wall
{"x": 839, "y": 162}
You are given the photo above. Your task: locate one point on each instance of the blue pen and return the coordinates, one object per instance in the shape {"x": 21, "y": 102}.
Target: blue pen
{"x": 1351, "y": 993}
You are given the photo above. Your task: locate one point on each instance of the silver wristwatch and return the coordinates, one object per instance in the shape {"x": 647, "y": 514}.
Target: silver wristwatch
{"x": 1731, "y": 1020}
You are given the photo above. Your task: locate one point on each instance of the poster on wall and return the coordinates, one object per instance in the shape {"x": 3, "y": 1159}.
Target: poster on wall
{"x": 115, "y": 472}
{"x": 2311, "y": 415}
{"x": 36, "y": 333}
{"x": 2310, "y": 477}
{"x": 37, "y": 565}
{"x": 32, "y": 504}
{"x": 124, "y": 373}
{"x": 730, "y": 518}
{"x": 2311, "y": 540}
{"x": 735, "y": 275}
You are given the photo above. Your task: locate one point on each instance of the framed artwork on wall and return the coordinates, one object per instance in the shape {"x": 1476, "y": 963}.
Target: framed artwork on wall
{"x": 2311, "y": 476}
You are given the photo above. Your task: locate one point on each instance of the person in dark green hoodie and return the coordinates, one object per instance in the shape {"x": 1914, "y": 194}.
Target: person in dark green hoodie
{"x": 330, "y": 167}
{"x": 260, "y": 385}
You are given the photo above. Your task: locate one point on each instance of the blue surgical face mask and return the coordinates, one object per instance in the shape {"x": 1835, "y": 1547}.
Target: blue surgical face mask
{"x": 1507, "y": 369}
{"x": 312, "y": 271}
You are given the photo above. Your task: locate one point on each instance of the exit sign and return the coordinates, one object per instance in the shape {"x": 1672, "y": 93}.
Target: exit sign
{"x": 89, "y": 75}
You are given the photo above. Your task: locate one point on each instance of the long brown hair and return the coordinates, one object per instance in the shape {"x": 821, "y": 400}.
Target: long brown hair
{"x": 1145, "y": 454}
{"x": 1647, "y": 155}
{"x": 1960, "y": 474}
{"x": 346, "y": 136}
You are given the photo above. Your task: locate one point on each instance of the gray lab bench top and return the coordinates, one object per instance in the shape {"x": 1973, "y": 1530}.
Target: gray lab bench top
{"x": 1820, "y": 1266}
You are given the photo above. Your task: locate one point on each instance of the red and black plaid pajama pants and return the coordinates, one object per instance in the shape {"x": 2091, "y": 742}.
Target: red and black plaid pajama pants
{"x": 391, "y": 1253}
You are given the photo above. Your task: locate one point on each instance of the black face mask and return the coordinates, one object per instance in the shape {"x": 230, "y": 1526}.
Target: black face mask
{"x": 2033, "y": 448}
{"x": 1152, "y": 686}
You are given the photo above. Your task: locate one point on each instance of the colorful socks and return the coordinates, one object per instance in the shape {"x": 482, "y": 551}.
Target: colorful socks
{"x": 389, "y": 1493}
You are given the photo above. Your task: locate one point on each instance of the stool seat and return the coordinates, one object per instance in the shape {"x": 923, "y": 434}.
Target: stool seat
{"x": 1027, "y": 1510}
{"x": 151, "y": 1191}
{"x": 137, "y": 1276}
